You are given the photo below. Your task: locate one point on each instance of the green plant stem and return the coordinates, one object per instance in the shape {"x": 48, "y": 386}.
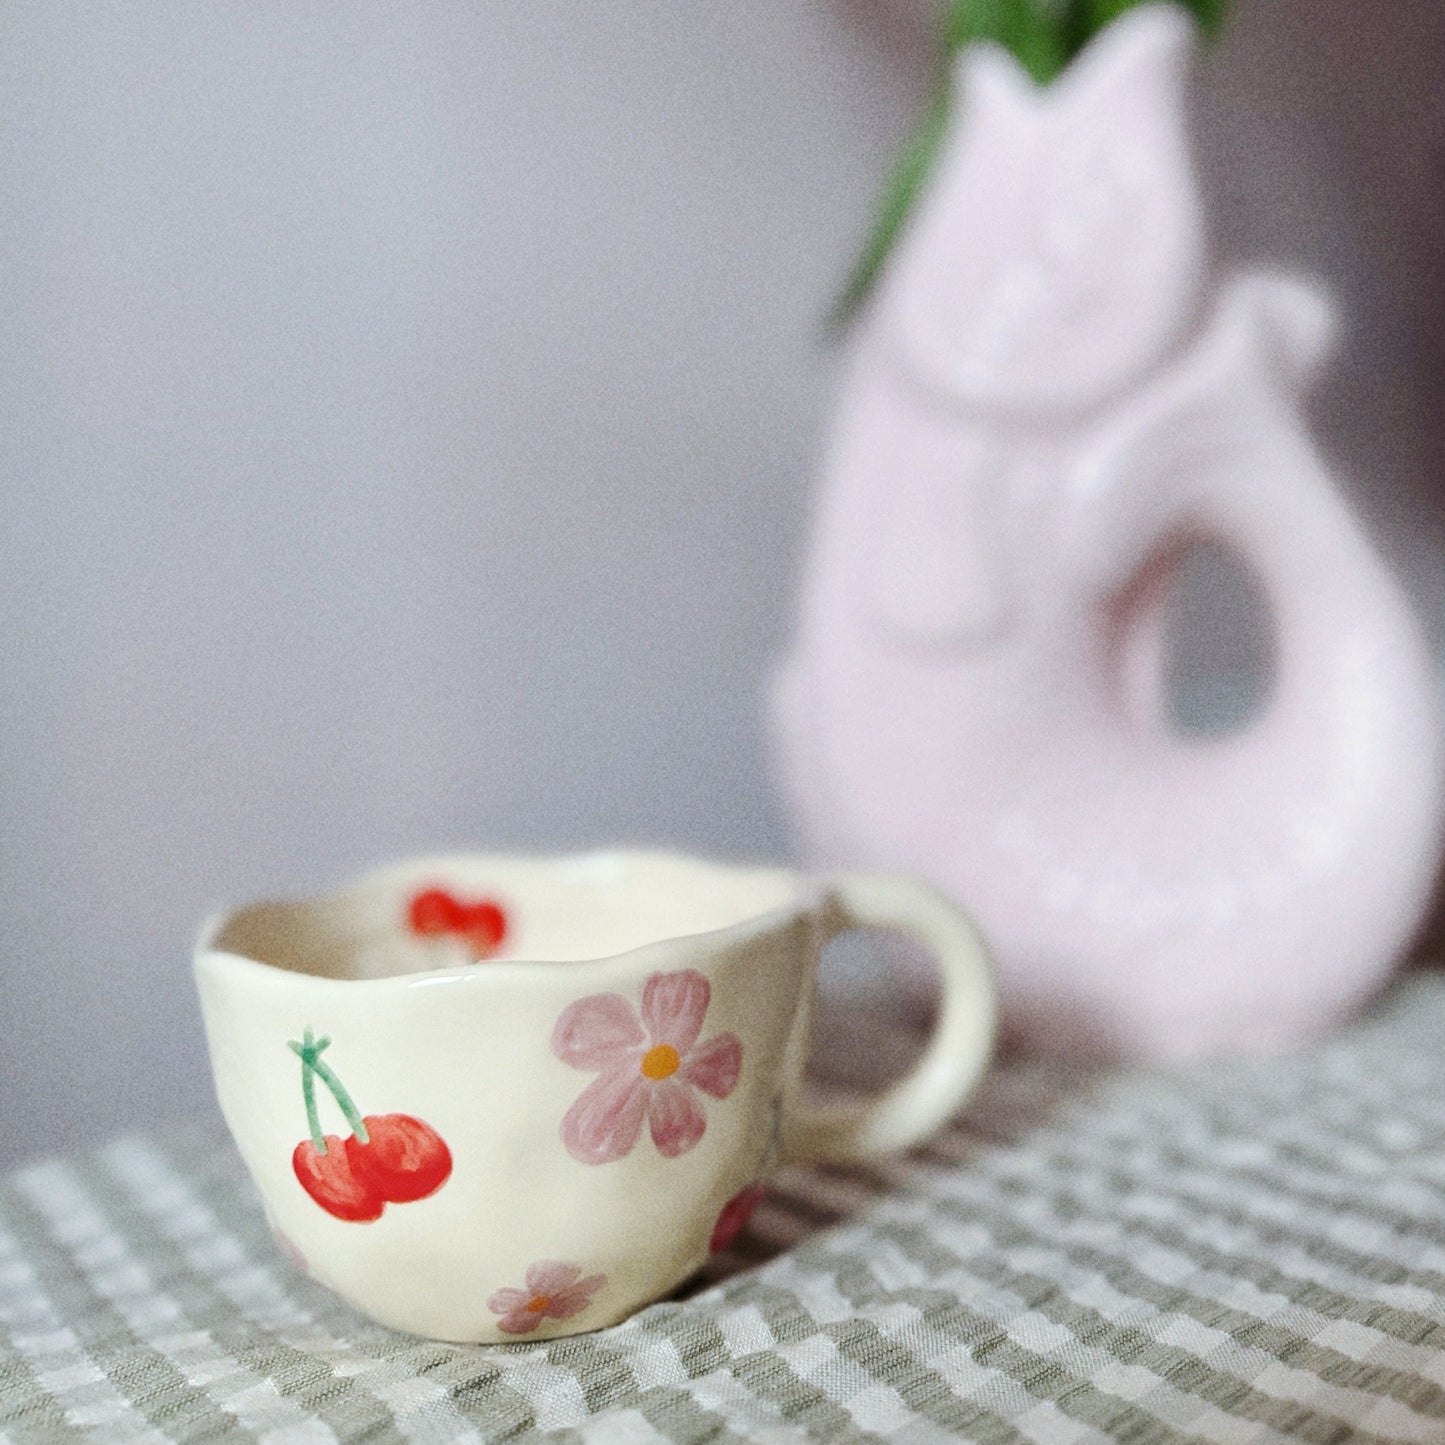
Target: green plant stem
{"x": 312, "y": 1064}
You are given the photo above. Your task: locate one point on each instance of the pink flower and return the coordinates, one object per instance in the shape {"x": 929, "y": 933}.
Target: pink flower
{"x": 554, "y": 1292}
{"x": 651, "y": 1069}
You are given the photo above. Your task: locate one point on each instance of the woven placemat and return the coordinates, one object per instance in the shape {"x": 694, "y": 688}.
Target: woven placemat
{"x": 1242, "y": 1252}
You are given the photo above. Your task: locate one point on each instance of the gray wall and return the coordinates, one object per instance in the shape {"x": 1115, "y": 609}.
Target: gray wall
{"x": 407, "y": 414}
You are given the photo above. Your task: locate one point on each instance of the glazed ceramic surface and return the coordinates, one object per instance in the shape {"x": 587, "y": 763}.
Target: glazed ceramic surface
{"x": 1051, "y": 400}
{"x": 490, "y": 1098}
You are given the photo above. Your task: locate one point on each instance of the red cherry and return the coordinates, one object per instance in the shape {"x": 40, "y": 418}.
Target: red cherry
{"x": 403, "y": 1159}
{"x": 434, "y": 911}
{"x": 484, "y": 925}
{"x": 735, "y": 1215}
{"x": 331, "y": 1180}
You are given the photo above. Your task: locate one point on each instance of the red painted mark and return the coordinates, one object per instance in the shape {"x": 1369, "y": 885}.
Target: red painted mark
{"x": 435, "y": 913}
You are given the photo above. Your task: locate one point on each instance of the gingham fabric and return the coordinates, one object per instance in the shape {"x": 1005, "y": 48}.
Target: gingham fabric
{"x": 1250, "y": 1252}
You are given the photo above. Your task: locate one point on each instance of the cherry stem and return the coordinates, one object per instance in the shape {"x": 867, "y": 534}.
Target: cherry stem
{"x": 312, "y": 1064}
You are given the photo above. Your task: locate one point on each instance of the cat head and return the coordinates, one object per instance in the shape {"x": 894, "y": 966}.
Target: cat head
{"x": 1058, "y": 248}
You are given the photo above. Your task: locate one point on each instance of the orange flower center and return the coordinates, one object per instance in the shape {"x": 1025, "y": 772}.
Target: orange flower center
{"x": 661, "y": 1061}
{"x": 538, "y": 1303}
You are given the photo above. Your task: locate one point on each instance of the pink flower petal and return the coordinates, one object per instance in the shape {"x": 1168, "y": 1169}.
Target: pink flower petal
{"x": 504, "y": 1301}
{"x": 675, "y": 1117}
{"x": 604, "y": 1122}
{"x": 555, "y": 1291}
{"x": 596, "y": 1031}
{"x": 568, "y": 1302}
{"x": 715, "y": 1067}
{"x": 548, "y": 1277}
{"x": 673, "y": 1005}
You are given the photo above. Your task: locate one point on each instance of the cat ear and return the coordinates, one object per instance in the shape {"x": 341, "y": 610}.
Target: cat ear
{"x": 990, "y": 87}
{"x": 1141, "y": 62}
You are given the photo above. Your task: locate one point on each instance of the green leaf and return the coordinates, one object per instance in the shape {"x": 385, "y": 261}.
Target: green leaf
{"x": 1030, "y": 31}
{"x": 1209, "y": 14}
{"x": 900, "y": 191}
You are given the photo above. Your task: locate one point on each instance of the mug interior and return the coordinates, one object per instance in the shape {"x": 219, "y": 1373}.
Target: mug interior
{"x": 471, "y": 909}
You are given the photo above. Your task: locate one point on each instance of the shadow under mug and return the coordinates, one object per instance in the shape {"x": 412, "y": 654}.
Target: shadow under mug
{"x": 490, "y": 1098}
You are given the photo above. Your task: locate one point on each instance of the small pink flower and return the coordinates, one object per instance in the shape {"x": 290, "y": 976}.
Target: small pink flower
{"x": 651, "y": 1069}
{"x": 554, "y": 1292}
{"x": 735, "y": 1215}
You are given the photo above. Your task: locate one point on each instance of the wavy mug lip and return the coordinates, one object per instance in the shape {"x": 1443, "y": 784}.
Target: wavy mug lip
{"x": 809, "y": 894}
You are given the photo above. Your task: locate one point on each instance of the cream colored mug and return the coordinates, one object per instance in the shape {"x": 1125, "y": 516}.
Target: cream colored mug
{"x": 493, "y": 1098}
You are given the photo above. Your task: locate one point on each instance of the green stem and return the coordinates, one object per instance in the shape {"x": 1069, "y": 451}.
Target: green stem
{"x": 312, "y": 1064}
{"x": 313, "y": 1119}
{"x": 343, "y": 1099}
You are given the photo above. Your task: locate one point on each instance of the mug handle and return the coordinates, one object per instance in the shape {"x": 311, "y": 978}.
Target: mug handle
{"x": 954, "y": 1058}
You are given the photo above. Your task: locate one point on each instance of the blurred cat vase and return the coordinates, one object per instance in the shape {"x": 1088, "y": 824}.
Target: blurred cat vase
{"x": 1051, "y": 401}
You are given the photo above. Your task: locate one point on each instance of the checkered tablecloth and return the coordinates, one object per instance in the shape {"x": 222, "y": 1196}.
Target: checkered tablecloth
{"x": 1249, "y": 1252}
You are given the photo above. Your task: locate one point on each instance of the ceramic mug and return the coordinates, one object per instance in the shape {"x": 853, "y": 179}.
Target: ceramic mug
{"x": 488, "y": 1098}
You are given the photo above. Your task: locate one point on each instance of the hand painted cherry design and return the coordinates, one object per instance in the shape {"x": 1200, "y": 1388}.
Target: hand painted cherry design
{"x": 387, "y": 1159}
{"x": 435, "y": 913}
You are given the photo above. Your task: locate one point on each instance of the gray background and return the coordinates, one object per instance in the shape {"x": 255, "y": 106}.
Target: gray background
{"x": 407, "y": 420}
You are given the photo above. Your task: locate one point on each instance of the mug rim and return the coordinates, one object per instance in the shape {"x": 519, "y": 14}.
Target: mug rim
{"x": 808, "y": 890}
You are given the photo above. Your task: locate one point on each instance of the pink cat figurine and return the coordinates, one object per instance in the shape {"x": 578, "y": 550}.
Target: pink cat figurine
{"x": 1047, "y": 405}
